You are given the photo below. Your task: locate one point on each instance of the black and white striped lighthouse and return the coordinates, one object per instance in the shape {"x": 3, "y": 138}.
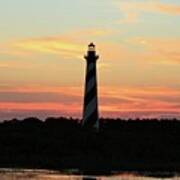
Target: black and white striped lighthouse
{"x": 90, "y": 111}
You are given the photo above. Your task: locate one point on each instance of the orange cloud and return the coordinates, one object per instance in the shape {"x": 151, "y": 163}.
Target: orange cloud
{"x": 52, "y": 45}
{"x": 69, "y": 45}
{"x": 91, "y": 33}
{"x": 15, "y": 65}
{"x": 133, "y": 9}
{"x": 163, "y": 49}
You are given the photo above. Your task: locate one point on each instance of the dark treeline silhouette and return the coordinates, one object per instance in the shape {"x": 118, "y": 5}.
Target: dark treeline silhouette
{"x": 61, "y": 143}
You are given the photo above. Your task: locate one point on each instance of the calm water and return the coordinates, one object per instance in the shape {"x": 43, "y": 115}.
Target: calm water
{"x": 12, "y": 174}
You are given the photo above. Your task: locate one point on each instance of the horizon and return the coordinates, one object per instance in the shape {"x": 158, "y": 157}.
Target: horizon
{"x": 101, "y": 119}
{"x": 42, "y": 69}
{"x": 125, "y": 116}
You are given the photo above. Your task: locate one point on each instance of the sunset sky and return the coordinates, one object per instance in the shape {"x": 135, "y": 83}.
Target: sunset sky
{"x": 42, "y": 70}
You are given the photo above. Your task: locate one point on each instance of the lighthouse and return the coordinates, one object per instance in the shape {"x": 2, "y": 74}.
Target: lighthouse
{"x": 90, "y": 109}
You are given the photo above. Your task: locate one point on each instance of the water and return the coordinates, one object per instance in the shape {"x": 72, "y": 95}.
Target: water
{"x": 20, "y": 174}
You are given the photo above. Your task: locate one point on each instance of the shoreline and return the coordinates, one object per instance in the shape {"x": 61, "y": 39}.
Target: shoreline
{"x": 158, "y": 174}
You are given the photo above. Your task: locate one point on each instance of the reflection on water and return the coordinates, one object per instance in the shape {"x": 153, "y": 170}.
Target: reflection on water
{"x": 12, "y": 174}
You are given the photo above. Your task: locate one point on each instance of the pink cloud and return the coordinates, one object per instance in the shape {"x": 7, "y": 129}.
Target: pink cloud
{"x": 69, "y": 100}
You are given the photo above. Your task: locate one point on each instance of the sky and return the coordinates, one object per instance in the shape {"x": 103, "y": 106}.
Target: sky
{"x": 42, "y": 44}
